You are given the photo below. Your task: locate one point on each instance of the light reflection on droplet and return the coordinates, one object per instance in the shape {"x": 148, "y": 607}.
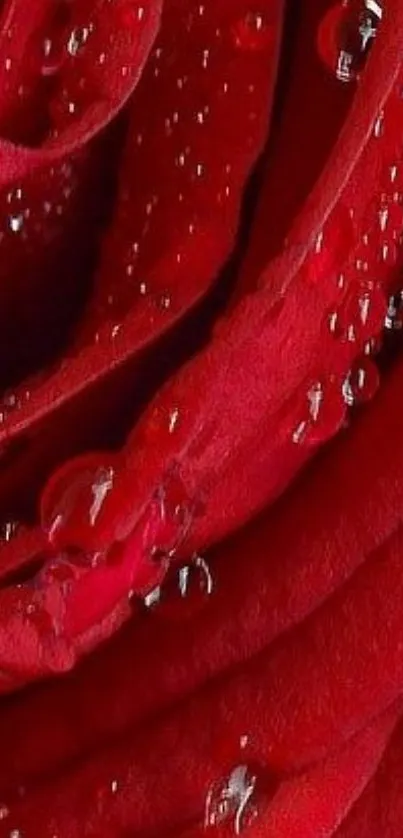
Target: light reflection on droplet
{"x": 230, "y": 800}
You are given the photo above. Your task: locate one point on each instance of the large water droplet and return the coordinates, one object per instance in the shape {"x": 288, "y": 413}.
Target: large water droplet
{"x": 73, "y": 500}
{"x": 322, "y": 412}
{"x": 231, "y": 801}
{"x": 346, "y": 35}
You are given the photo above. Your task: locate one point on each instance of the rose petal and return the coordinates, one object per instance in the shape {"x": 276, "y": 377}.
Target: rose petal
{"x": 245, "y": 400}
{"x": 126, "y": 32}
{"x": 380, "y": 809}
{"x": 200, "y": 228}
{"x": 50, "y": 179}
{"x": 109, "y": 794}
{"x": 295, "y": 560}
{"x": 285, "y": 182}
{"x": 312, "y": 804}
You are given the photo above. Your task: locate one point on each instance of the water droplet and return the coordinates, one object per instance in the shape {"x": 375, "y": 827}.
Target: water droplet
{"x": 165, "y": 301}
{"x": 158, "y": 535}
{"x": 9, "y": 530}
{"x": 185, "y": 590}
{"x": 362, "y": 383}
{"x": 362, "y": 314}
{"x": 389, "y": 254}
{"x": 16, "y": 222}
{"x": 231, "y": 800}
{"x": 173, "y": 419}
{"x": 174, "y": 514}
{"x": 331, "y": 245}
{"x": 153, "y": 597}
{"x": 52, "y": 57}
{"x": 73, "y": 500}
{"x": 322, "y": 412}
{"x": 379, "y": 125}
{"x": 333, "y": 322}
{"x": 345, "y": 36}
{"x": 391, "y": 216}
{"x": 252, "y": 32}
{"x": 394, "y": 314}
{"x": 78, "y": 38}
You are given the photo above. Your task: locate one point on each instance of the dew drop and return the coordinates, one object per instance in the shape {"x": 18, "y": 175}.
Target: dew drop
{"x": 231, "y": 800}
{"x": 379, "y": 125}
{"x": 169, "y": 518}
{"x": 165, "y": 301}
{"x": 4, "y": 812}
{"x": 252, "y": 32}
{"x": 74, "y": 498}
{"x": 391, "y": 216}
{"x": 153, "y": 597}
{"x": 389, "y": 254}
{"x": 322, "y": 411}
{"x": 362, "y": 314}
{"x": 333, "y": 322}
{"x": 16, "y": 222}
{"x": 345, "y": 36}
{"x": 9, "y": 530}
{"x": 173, "y": 419}
{"x": 185, "y": 591}
{"x": 362, "y": 383}
{"x": 52, "y": 57}
{"x": 394, "y": 314}
{"x": 78, "y": 38}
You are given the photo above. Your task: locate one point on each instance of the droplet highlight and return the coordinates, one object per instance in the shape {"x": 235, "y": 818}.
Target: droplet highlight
{"x": 73, "y": 500}
{"x": 345, "y": 36}
{"x": 185, "y": 590}
{"x": 231, "y": 801}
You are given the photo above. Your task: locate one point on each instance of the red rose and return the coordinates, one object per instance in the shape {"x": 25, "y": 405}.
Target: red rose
{"x": 201, "y": 228}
